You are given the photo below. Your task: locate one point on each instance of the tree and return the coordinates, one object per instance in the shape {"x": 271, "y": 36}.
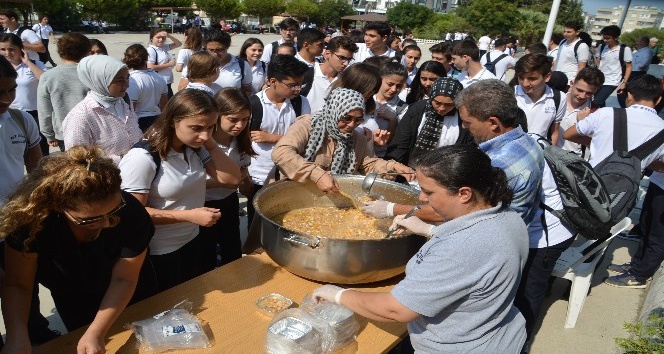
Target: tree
{"x": 631, "y": 38}
{"x": 331, "y": 11}
{"x": 264, "y": 8}
{"x": 406, "y": 15}
{"x": 63, "y": 15}
{"x": 490, "y": 16}
{"x": 570, "y": 10}
{"x": 303, "y": 9}
{"x": 221, "y": 9}
{"x": 530, "y": 27}
{"x": 441, "y": 24}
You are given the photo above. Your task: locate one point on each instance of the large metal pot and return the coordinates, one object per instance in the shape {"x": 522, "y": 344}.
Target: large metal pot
{"x": 332, "y": 260}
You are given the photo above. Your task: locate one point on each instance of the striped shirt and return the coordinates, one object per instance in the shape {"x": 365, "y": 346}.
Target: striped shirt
{"x": 523, "y": 162}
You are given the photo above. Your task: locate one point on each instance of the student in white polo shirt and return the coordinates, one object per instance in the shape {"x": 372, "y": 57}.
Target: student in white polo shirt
{"x": 544, "y": 106}
{"x": 375, "y": 38}
{"x": 502, "y": 62}
{"x": 288, "y": 29}
{"x": 573, "y": 54}
{"x": 615, "y": 61}
{"x": 147, "y": 90}
{"x": 251, "y": 51}
{"x": 233, "y": 71}
{"x": 278, "y": 105}
{"x": 466, "y": 57}
{"x": 338, "y": 55}
{"x": 158, "y": 57}
{"x": 311, "y": 43}
{"x": 31, "y": 41}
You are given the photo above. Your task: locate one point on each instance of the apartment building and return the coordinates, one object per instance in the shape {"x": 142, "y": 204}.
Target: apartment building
{"x": 637, "y": 17}
{"x": 381, "y": 6}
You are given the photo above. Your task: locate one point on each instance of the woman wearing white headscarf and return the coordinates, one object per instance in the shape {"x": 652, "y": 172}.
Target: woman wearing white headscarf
{"x": 315, "y": 147}
{"x": 103, "y": 118}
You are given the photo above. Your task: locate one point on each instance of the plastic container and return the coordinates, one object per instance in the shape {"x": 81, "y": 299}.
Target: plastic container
{"x": 273, "y": 304}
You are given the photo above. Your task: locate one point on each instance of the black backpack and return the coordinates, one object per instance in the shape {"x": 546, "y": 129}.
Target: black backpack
{"x": 621, "y": 56}
{"x": 621, "y": 171}
{"x": 491, "y": 65}
{"x": 257, "y": 111}
{"x": 586, "y": 202}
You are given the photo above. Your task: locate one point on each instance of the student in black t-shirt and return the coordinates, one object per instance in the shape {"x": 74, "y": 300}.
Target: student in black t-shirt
{"x": 70, "y": 227}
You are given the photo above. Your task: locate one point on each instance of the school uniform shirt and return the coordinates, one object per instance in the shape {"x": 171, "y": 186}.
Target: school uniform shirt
{"x": 300, "y": 58}
{"x": 567, "y": 61}
{"x": 26, "y": 89}
{"x": 28, "y": 36}
{"x": 275, "y": 121}
{"x": 258, "y": 76}
{"x": 610, "y": 64}
{"x": 411, "y": 76}
{"x": 320, "y": 89}
{"x": 568, "y": 121}
{"x": 177, "y": 184}
{"x": 230, "y": 75}
{"x": 183, "y": 57}
{"x": 212, "y": 89}
{"x": 159, "y": 55}
{"x": 642, "y": 124}
{"x": 13, "y": 144}
{"x": 42, "y": 31}
{"x": 236, "y": 156}
{"x": 553, "y": 53}
{"x": 145, "y": 90}
{"x": 541, "y": 113}
{"x": 363, "y": 52}
{"x": 502, "y": 65}
{"x": 484, "y": 74}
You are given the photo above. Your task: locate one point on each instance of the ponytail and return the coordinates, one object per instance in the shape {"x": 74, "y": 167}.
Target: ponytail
{"x": 500, "y": 192}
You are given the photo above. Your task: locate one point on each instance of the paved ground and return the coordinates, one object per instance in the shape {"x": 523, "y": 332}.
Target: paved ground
{"x": 605, "y": 310}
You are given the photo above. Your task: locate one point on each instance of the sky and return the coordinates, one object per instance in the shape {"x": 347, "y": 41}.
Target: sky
{"x": 591, "y": 6}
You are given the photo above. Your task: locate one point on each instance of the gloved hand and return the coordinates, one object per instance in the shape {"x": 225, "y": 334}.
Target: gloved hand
{"x": 414, "y": 224}
{"x": 331, "y": 293}
{"x": 379, "y": 209}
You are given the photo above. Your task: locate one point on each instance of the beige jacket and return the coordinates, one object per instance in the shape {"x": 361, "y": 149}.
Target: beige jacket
{"x": 290, "y": 148}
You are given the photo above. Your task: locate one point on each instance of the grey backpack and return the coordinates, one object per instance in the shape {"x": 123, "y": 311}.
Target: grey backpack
{"x": 621, "y": 171}
{"x": 586, "y": 202}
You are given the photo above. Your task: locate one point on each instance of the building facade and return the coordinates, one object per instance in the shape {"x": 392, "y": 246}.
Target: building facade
{"x": 637, "y": 17}
{"x": 381, "y": 6}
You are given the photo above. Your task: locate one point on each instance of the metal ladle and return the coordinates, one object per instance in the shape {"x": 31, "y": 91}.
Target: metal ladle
{"x": 409, "y": 214}
{"x": 370, "y": 179}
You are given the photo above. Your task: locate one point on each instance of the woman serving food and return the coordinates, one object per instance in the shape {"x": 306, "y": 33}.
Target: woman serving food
{"x": 315, "y": 147}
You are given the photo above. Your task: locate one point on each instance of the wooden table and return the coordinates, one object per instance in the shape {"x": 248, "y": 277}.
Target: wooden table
{"x": 224, "y": 300}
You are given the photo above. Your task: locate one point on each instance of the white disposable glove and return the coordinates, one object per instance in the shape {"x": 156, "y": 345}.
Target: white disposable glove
{"x": 379, "y": 209}
{"x": 414, "y": 224}
{"x": 331, "y": 293}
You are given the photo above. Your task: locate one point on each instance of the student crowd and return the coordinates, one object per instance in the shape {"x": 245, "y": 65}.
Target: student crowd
{"x": 145, "y": 195}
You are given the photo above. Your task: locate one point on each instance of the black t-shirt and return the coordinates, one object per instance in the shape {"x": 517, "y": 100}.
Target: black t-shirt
{"x": 68, "y": 268}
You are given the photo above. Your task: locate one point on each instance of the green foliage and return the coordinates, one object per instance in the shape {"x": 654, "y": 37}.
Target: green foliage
{"x": 631, "y": 38}
{"x": 645, "y": 338}
{"x": 406, "y": 15}
{"x": 303, "y": 9}
{"x": 441, "y": 24}
{"x": 490, "y": 16}
{"x": 331, "y": 11}
{"x": 570, "y": 10}
{"x": 530, "y": 27}
{"x": 264, "y": 8}
{"x": 221, "y": 9}
{"x": 63, "y": 15}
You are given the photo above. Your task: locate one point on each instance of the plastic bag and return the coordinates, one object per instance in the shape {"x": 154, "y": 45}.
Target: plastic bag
{"x": 297, "y": 331}
{"x": 173, "y": 329}
{"x": 340, "y": 318}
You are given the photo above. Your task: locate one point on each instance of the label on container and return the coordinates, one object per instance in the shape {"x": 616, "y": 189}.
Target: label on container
{"x": 185, "y": 328}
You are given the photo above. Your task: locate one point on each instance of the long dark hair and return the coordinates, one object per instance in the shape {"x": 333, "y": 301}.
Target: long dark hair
{"x": 417, "y": 91}
{"x": 457, "y": 166}
{"x": 232, "y": 100}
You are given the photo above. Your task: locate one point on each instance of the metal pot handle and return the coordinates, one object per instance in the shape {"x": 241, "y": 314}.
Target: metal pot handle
{"x": 292, "y": 238}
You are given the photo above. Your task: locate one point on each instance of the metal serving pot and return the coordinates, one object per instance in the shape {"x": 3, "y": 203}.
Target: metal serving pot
{"x": 331, "y": 260}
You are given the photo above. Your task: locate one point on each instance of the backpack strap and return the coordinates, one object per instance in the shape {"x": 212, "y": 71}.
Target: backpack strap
{"x": 156, "y": 56}
{"x": 497, "y": 59}
{"x": 556, "y": 99}
{"x": 621, "y": 57}
{"x": 240, "y": 61}
{"x": 256, "y": 113}
{"x": 297, "y": 105}
{"x": 17, "y": 117}
{"x": 620, "y": 130}
{"x": 576, "y": 49}
{"x": 143, "y": 144}
{"x": 488, "y": 57}
{"x": 649, "y": 146}
{"x": 275, "y": 45}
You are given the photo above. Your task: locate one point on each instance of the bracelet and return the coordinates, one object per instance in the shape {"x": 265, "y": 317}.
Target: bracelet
{"x": 390, "y": 209}
{"x": 337, "y": 296}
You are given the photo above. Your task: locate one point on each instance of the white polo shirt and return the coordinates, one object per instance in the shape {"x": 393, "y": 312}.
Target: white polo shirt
{"x": 275, "y": 121}
{"x": 610, "y": 64}
{"x": 183, "y": 57}
{"x": 145, "y": 90}
{"x": 320, "y": 88}
{"x": 42, "y": 32}
{"x": 28, "y": 36}
{"x": 300, "y": 58}
{"x": 568, "y": 121}
{"x": 567, "y": 62}
{"x": 541, "y": 113}
{"x": 26, "y": 89}
{"x": 230, "y": 74}
{"x": 159, "y": 55}
{"x": 212, "y": 90}
{"x": 484, "y": 74}
{"x": 236, "y": 156}
{"x": 642, "y": 124}
{"x": 178, "y": 184}
{"x": 363, "y": 52}
{"x": 484, "y": 42}
{"x": 258, "y": 76}
{"x": 502, "y": 65}
{"x": 12, "y": 148}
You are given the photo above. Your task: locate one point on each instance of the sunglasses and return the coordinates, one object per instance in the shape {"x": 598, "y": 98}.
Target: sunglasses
{"x": 347, "y": 119}
{"x": 96, "y": 219}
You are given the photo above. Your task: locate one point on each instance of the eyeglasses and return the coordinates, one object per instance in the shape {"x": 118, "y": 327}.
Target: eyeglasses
{"x": 96, "y": 219}
{"x": 342, "y": 58}
{"x": 292, "y": 87}
{"x": 347, "y": 119}
{"x": 217, "y": 51}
